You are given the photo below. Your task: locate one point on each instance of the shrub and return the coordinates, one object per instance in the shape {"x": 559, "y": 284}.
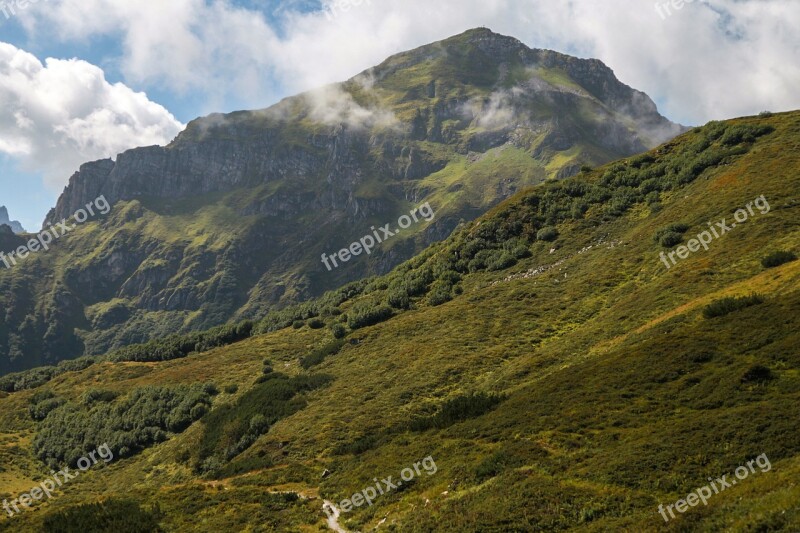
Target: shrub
{"x": 339, "y": 331}
{"x": 297, "y": 324}
{"x": 368, "y": 314}
{"x": 547, "y": 234}
{"x": 671, "y": 235}
{"x": 729, "y": 305}
{"x": 398, "y": 298}
{"x": 122, "y": 516}
{"x": 501, "y": 261}
{"x": 779, "y": 258}
{"x": 319, "y": 354}
{"x": 758, "y": 374}
{"x": 456, "y": 409}
{"x": 233, "y": 388}
{"x": 441, "y": 292}
{"x": 39, "y": 411}
{"x": 670, "y": 239}
{"x": 129, "y": 425}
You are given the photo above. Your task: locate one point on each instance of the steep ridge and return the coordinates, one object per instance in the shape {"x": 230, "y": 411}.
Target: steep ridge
{"x": 542, "y": 369}
{"x": 230, "y": 220}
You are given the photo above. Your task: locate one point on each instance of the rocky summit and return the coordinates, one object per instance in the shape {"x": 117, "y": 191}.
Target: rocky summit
{"x": 15, "y": 226}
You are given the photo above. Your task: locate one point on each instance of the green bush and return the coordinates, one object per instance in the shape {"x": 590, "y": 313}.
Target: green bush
{"x": 462, "y": 407}
{"x": 142, "y": 418}
{"x": 779, "y": 258}
{"x": 547, "y": 234}
{"x": 367, "y": 313}
{"x": 671, "y": 235}
{"x": 319, "y": 354}
{"x": 726, "y": 306}
{"x": 441, "y": 292}
{"x": 758, "y": 374}
{"x": 339, "y": 331}
{"x": 120, "y": 516}
{"x": 231, "y": 389}
{"x": 670, "y": 239}
{"x": 98, "y": 395}
{"x": 316, "y": 323}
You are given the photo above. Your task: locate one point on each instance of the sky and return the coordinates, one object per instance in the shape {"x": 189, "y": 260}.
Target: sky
{"x": 82, "y": 80}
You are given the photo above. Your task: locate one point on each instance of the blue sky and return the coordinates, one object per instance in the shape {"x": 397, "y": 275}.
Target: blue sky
{"x": 126, "y": 73}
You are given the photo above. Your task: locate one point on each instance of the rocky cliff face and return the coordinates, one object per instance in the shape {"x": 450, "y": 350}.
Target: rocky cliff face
{"x": 231, "y": 218}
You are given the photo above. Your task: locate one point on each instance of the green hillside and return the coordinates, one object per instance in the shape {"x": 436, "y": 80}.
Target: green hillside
{"x": 548, "y": 362}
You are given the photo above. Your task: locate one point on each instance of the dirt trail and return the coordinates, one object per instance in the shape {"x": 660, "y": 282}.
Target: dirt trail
{"x": 333, "y": 517}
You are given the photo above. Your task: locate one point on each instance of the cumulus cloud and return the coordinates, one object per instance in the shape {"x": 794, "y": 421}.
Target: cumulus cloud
{"x": 57, "y": 115}
{"x": 690, "y": 61}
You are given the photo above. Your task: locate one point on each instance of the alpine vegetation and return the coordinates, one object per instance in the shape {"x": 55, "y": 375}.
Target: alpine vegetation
{"x": 58, "y": 479}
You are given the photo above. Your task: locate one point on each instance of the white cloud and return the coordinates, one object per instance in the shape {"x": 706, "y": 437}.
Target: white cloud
{"x": 58, "y": 115}
{"x": 710, "y": 59}
{"x": 331, "y": 105}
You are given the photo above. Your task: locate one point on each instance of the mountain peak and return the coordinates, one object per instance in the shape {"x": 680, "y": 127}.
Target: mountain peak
{"x": 15, "y": 226}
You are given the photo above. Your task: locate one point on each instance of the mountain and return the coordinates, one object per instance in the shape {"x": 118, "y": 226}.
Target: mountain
{"x": 231, "y": 219}
{"x": 15, "y": 226}
{"x": 543, "y": 368}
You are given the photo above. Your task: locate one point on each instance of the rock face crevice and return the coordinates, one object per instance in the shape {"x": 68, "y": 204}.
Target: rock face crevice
{"x": 230, "y": 219}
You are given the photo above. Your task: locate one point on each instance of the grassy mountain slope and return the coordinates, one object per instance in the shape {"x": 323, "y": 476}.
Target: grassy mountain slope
{"x": 231, "y": 218}
{"x": 603, "y": 388}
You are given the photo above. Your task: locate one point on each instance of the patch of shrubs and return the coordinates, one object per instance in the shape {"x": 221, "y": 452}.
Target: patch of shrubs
{"x": 98, "y": 395}
{"x": 758, "y": 374}
{"x": 42, "y": 404}
{"x": 457, "y": 409}
{"x": 144, "y": 417}
{"x": 726, "y": 306}
{"x": 231, "y": 429}
{"x": 120, "y": 516}
{"x": 777, "y": 259}
{"x": 357, "y": 447}
{"x": 178, "y": 346}
{"x": 319, "y": 354}
{"x": 671, "y": 236}
{"x": 316, "y": 323}
{"x": 547, "y": 234}
{"x": 339, "y": 331}
{"x": 36, "y": 377}
{"x": 368, "y": 313}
